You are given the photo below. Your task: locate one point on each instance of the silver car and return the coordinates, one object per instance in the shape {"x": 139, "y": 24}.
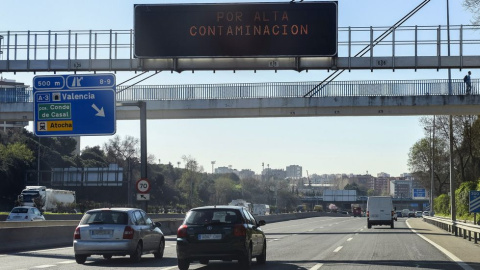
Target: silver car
{"x": 117, "y": 232}
{"x": 25, "y": 213}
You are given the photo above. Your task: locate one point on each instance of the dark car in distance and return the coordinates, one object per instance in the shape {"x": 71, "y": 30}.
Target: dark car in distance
{"x": 220, "y": 233}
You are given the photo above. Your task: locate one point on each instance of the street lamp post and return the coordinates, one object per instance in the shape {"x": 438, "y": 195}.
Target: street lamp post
{"x": 432, "y": 170}
{"x": 213, "y": 163}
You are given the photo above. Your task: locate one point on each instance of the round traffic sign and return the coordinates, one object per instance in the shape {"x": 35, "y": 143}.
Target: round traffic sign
{"x": 143, "y": 185}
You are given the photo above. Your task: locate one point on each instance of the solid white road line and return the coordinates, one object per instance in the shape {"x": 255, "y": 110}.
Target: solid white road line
{"x": 67, "y": 262}
{"x": 317, "y": 266}
{"x": 446, "y": 252}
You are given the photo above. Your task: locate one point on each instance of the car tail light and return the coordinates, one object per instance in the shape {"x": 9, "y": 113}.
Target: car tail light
{"x": 182, "y": 231}
{"x": 368, "y": 213}
{"x": 128, "y": 233}
{"x": 76, "y": 234}
{"x": 239, "y": 230}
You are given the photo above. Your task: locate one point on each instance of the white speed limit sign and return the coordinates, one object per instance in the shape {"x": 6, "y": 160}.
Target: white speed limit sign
{"x": 143, "y": 185}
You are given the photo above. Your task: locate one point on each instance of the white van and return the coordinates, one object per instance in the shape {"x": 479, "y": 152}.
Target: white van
{"x": 380, "y": 211}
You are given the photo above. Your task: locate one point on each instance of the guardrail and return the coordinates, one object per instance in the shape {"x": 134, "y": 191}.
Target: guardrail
{"x": 460, "y": 229}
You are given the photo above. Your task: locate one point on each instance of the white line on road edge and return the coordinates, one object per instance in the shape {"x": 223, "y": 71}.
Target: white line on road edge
{"x": 446, "y": 252}
{"x": 317, "y": 266}
{"x": 67, "y": 262}
{"x": 168, "y": 268}
{"x": 338, "y": 249}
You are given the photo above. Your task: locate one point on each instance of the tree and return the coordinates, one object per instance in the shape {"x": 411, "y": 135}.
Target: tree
{"x": 15, "y": 159}
{"x": 189, "y": 180}
{"x": 474, "y": 7}
{"x": 224, "y": 188}
{"x": 124, "y": 152}
{"x": 93, "y": 157}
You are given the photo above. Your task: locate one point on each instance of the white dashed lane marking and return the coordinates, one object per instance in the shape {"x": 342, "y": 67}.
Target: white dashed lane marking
{"x": 338, "y": 249}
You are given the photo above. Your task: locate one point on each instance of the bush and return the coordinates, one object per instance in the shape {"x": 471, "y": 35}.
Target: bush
{"x": 441, "y": 204}
{"x": 462, "y": 197}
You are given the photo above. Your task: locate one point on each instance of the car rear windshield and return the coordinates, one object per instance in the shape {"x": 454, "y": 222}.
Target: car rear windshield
{"x": 213, "y": 216}
{"x": 105, "y": 217}
{"x": 20, "y": 210}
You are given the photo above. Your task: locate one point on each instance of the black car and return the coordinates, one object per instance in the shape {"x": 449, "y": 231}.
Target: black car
{"x": 220, "y": 233}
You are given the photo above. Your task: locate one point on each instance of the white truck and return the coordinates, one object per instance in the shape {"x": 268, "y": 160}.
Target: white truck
{"x": 261, "y": 209}
{"x": 380, "y": 211}
{"x": 241, "y": 202}
{"x": 46, "y": 198}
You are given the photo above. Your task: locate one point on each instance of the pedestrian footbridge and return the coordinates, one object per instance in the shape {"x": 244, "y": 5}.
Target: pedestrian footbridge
{"x": 234, "y": 100}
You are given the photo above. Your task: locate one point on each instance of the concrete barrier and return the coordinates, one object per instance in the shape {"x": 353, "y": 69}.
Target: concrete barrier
{"x": 16, "y": 236}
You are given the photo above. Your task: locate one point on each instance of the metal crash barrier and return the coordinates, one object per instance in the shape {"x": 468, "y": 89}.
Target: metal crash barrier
{"x": 462, "y": 229}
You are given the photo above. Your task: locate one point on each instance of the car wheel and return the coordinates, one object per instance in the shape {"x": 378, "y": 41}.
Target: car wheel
{"x": 204, "y": 262}
{"x": 183, "y": 264}
{"x": 263, "y": 257}
{"x": 80, "y": 259}
{"x": 137, "y": 254}
{"x": 161, "y": 249}
{"x": 246, "y": 260}
{"x": 107, "y": 256}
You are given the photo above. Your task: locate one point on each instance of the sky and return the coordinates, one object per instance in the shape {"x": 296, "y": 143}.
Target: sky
{"x": 321, "y": 145}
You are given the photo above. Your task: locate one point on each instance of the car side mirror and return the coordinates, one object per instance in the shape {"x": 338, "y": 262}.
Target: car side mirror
{"x": 262, "y": 223}
{"x": 157, "y": 224}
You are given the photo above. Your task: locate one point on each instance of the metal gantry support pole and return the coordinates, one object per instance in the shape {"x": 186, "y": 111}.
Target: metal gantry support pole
{"x": 143, "y": 140}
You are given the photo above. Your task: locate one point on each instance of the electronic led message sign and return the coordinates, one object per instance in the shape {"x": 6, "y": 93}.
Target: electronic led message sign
{"x": 236, "y": 30}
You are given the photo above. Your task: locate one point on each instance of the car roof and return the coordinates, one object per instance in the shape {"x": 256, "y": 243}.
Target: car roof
{"x": 23, "y": 207}
{"x": 218, "y": 207}
{"x": 120, "y": 209}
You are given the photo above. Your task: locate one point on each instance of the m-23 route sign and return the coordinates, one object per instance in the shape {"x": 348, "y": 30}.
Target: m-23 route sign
{"x": 74, "y": 105}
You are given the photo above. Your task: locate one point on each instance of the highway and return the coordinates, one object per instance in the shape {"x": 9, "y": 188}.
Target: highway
{"x": 312, "y": 244}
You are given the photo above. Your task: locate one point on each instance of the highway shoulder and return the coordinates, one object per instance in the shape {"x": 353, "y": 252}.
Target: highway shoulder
{"x": 457, "y": 248}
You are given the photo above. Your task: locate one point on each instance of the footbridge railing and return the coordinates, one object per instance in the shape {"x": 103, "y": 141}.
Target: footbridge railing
{"x": 376, "y": 88}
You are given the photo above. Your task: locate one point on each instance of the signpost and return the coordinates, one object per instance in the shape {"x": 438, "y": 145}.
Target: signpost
{"x": 74, "y": 105}
{"x": 474, "y": 205}
{"x": 143, "y": 187}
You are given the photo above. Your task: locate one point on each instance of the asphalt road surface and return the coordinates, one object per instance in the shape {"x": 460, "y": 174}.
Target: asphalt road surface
{"x": 321, "y": 243}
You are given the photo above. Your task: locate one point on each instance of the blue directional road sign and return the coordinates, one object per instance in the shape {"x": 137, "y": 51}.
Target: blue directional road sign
{"x": 74, "y": 105}
{"x": 419, "y": 193}
{"x": 474, "y": 205}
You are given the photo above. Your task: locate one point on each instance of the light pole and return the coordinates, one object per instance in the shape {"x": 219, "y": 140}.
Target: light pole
{"x": 213, "y": 163}
{"x": 263, "y": 170}
{"x": 432, "y": 163}
{"x": 452, "y": 183}
{"x": 432, "y": 188}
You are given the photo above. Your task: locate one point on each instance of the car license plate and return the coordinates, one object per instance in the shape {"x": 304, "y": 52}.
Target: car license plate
{"x": 102, "y": 232}
{"x": 209, "y": 236}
